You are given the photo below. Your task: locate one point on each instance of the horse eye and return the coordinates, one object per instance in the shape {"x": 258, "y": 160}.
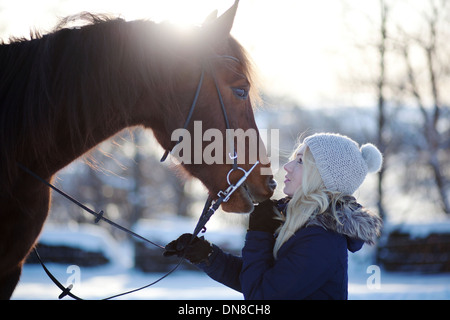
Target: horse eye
{"x": 240, "y": 93}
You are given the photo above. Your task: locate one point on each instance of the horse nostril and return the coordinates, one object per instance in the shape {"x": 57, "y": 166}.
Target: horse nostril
{"x": 272, "y": 184}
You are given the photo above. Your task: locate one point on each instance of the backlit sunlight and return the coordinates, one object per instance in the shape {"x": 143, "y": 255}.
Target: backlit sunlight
{"x": 303, "y": 49}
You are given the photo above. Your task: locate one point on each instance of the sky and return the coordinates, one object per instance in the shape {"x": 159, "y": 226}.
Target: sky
{"x": 303, "y": 49}
{"x": 296, "y": 44}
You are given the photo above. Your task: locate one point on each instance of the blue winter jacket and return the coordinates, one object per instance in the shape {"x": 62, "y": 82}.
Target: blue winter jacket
{"x": 312, "y": 264}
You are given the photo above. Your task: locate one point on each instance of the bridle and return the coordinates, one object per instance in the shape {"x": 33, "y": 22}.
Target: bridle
{"x": 210, "y": 207}
{"x": 194, "y": 104}
{"x": 223, "y": 196}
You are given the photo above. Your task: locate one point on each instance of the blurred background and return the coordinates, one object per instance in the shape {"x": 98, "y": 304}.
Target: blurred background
{"x": 375, "y": 70}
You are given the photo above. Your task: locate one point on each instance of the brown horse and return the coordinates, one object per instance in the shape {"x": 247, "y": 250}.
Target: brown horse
{"x": 63, "y": 93}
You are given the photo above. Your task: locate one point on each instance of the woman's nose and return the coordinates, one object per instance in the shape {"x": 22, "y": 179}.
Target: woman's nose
{"x": 287, "y": 166}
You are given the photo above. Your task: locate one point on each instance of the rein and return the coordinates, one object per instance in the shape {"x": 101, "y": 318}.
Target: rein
{"x": 209, "y": 209}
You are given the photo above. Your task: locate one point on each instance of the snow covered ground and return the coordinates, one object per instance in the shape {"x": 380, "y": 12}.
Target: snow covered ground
{"x": 366, "y": 281}
{"x": 102, "y": 282}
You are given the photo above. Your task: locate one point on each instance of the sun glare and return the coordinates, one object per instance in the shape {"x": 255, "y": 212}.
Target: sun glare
{"x": 299, "y": 46}
{"x": 180, "y": 12}
{"x": 45, "y": 13}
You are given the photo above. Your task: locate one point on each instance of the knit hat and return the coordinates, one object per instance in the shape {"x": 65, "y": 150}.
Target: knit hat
{"x": 342, "y": 165}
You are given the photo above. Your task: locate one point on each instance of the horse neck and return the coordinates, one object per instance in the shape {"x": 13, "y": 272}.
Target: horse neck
{"x": 73, "y": 97}
{"x": 83, "y": 86}
{"x": 125, "y": 79}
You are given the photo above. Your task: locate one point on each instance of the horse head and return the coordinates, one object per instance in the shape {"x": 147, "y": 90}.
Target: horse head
{"x": 214, "y": 94}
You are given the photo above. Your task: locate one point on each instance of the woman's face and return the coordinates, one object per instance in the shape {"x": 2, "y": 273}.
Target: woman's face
{"x": 294, "y": 173}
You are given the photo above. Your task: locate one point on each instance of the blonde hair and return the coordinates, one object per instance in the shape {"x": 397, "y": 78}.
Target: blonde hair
{"x": 309, "y": 200}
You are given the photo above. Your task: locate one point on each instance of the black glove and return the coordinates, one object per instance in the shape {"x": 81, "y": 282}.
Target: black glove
{"x": 196, "y": 251}
{"x": 264, "y": 218}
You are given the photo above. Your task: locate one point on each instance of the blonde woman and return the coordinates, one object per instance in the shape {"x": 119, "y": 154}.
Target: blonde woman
{"x": 296, "y": 248}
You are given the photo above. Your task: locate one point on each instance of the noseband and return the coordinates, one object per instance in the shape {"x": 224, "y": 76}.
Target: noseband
{"x": 209, "y": 209}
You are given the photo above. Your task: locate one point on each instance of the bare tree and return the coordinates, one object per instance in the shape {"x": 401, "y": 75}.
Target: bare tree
{"x": 408, "y": 66}
{"x": 381, "y": 83}
{"x": 432, "y": 115}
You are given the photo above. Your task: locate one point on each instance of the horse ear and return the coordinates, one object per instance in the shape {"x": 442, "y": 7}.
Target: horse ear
{"x": 210, "y": 18}
{"x": 221, "y": 26}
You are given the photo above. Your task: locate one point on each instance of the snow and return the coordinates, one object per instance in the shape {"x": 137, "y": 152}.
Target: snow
{"x": 420, "y": 230}
{"x": 86, "y": 237}
{"x": 367, "y": 281}
{"x": 169, "y": 228}
{"x": 392, "y": 285}
{"x": 102, "y": 282}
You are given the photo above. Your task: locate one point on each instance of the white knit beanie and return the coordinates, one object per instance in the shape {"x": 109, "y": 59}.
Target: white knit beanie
{"x": 342, "y": 165}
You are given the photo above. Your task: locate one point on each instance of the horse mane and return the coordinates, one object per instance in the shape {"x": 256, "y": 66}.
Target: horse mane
{"x": 74, "y": 76}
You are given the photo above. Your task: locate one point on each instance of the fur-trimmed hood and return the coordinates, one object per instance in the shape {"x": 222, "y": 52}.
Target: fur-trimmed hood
{"x": 356, "y": 222}
{"x": 299, "y": 271}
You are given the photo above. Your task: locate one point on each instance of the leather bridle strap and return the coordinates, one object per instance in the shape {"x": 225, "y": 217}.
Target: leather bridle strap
{"x": 194, "y": 103}
{"x": 65, "y": 291}
{"x": 191, "y": 112}
{"x": 98, "y": 216}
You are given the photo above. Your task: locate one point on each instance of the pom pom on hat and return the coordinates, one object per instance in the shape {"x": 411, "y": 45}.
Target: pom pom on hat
{"x": 342, "y": 164}
{"x": 372, "y": 156}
